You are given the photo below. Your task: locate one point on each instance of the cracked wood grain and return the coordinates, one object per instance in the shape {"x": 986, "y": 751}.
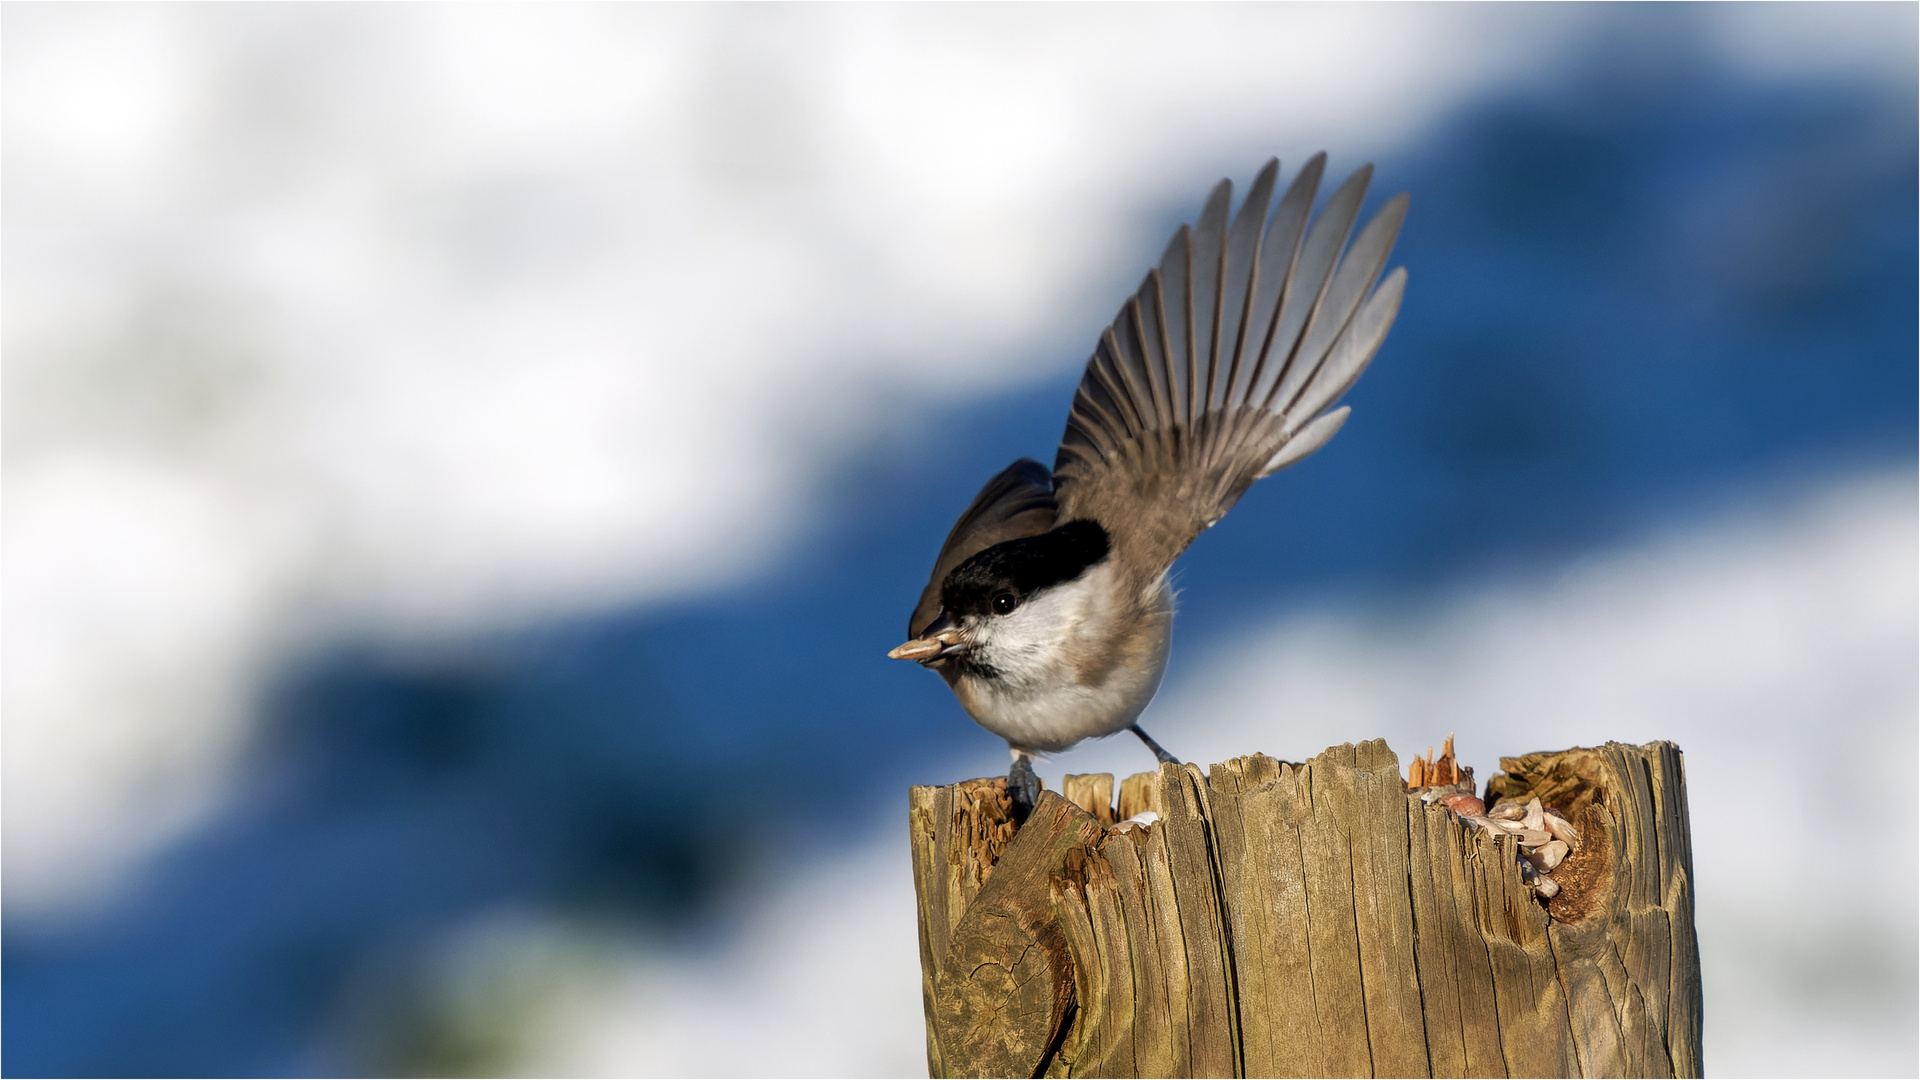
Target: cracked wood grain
{"x": 1308, "y": 919}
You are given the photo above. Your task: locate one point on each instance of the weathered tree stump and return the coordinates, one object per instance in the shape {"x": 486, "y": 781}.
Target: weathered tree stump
{"x": 1309, "y": 920}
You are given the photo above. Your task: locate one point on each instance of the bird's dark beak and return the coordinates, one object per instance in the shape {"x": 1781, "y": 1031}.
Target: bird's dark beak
{"x": 941, "y": 637}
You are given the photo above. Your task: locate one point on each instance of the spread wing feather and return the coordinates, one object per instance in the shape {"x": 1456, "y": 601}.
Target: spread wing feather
{"x": 1306, "y": 286}
{"x": 1243, "y": 247}
{"x": 1352, "y": 352}
{"x": 1221, "y": 368}
{"x": 1209, "y": 248}
{"x": 1279, "y": 250}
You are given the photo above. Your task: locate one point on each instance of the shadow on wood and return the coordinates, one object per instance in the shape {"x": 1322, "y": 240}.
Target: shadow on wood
{"x": 1309, "y": 920}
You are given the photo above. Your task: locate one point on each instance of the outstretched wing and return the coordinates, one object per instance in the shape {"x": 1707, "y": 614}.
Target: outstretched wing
{"x": 1016, "y": 503}
{"x": 1221, "y": 369}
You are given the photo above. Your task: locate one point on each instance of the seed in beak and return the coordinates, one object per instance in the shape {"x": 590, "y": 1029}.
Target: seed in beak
{"x": 917, "y": 649}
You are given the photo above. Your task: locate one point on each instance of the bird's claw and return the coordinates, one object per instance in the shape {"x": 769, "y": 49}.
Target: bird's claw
{"x": 1023, "y": 787}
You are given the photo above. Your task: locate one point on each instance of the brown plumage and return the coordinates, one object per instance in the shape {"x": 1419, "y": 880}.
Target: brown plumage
{"x": 1218, "y": 371}
{"x": 1231, "y": 347}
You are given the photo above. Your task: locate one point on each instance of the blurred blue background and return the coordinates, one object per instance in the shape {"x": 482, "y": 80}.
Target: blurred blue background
{"x": 348, "y": 788}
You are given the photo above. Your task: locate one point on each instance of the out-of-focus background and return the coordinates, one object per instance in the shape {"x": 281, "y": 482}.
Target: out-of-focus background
{"x": 464, "y": 467}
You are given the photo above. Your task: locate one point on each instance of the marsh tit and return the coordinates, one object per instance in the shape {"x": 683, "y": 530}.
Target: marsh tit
{"x": 1049, "y": 610}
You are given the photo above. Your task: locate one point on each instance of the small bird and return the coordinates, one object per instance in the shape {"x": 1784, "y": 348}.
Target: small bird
{"x": 1049, "y": 612}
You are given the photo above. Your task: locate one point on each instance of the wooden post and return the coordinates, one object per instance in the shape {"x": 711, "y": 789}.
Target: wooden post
{"x": 1309, "y": 920}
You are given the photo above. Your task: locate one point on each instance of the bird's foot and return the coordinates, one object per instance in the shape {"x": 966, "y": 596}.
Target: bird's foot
{"x": 1023, "y": 787}
{"x": 1158, "y": 750}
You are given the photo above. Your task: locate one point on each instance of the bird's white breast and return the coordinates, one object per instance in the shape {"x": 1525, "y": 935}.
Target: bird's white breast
{"x": 1075, "y": 662}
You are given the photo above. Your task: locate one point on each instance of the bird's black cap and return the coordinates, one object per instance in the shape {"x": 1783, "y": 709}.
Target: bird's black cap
{"x": 1024, "y": 566}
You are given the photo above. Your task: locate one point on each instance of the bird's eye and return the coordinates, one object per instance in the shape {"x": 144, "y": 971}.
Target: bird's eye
{"x": 1004, "y": 603}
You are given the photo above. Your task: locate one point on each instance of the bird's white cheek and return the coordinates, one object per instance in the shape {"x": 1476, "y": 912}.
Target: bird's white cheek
{"x": 1014, "y": 644}
{"x": 1037, "y": 639}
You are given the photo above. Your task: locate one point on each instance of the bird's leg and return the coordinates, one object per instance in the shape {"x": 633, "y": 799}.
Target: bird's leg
{"x": 1165, "y": 758}
{"x": 1022, "y": 786}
